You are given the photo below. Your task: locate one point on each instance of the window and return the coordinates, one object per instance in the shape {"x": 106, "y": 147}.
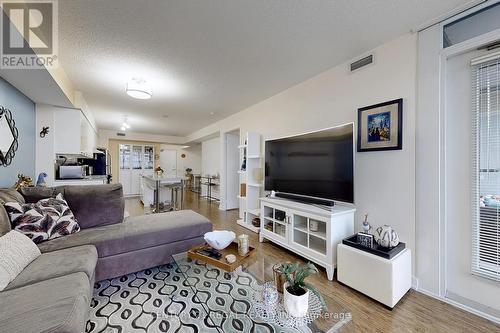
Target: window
{"x": 486, "y": 167}
{"x": 473, "y": 25}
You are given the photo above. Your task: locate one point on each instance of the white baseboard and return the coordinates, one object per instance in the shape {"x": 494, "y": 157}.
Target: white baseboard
{"x": 414, "y": 282}
{"x": 460, "y": 305}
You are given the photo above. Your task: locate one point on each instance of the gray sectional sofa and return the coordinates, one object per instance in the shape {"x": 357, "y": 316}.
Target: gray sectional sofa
{"x": 53, "y": 293}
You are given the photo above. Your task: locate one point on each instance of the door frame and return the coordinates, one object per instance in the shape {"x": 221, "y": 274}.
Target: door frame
{"x": 445, "y": 54}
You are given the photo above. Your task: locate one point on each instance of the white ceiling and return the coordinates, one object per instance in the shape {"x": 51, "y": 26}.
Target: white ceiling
{"x": 216, "y": 56}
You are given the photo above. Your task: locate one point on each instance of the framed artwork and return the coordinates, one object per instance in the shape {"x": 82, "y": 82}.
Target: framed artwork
{"x": 380, "y": 126}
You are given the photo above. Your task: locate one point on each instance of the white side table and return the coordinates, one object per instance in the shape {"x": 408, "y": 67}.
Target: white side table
{"x": 385, "y": 280}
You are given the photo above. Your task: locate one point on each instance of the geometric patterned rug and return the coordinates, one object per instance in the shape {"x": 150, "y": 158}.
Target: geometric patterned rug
{"x": 153, "y": 300}
{"x": 159, "y": 299}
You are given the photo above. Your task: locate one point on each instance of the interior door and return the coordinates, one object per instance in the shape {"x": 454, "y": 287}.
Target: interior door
{"x": 168, "y": 162}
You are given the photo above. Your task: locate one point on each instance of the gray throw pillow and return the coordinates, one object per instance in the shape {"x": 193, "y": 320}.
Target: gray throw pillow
{"x": 47, "y": 219}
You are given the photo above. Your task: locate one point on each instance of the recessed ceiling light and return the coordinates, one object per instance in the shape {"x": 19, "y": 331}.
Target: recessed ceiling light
{"x": 139, "y": 88}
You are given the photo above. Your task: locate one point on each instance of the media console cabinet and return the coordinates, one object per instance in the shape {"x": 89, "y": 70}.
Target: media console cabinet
{"x": 310, "y": 231}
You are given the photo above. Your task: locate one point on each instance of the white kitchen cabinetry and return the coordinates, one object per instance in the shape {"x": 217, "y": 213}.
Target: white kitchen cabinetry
{"x": 310, "y": 231}
{"x": 73, "y": 133}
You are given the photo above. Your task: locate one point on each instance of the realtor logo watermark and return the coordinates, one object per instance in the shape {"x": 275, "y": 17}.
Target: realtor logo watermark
{"x": 29, "y": 34}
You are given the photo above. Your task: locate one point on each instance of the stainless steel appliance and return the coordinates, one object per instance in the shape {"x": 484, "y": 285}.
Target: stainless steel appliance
{"x": 102, "y": 165}
{"x": 71, "y": 172}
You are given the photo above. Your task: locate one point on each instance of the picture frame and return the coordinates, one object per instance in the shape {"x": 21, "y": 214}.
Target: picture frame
{"x": 365, "y": 239}
{"x": 380, "y": 126}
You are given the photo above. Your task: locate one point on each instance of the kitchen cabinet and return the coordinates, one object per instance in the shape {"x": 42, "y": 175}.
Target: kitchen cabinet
{"x": 73, "y": 134}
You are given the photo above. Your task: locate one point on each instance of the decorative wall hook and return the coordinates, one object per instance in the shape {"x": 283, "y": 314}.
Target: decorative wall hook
{"x": 44, "y": 132}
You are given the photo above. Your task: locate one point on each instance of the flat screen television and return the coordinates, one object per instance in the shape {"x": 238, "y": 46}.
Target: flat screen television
{"x": 315, "y": 165}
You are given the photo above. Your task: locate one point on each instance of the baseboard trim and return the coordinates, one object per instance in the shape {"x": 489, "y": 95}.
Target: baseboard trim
{"x": 460, "y": 305}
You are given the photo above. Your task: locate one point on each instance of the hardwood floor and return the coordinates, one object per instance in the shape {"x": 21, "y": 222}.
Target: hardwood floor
{"x": 416, "y": 312}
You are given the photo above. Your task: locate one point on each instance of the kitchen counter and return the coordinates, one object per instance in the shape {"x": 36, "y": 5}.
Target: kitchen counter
{"x": 88, "y": 180}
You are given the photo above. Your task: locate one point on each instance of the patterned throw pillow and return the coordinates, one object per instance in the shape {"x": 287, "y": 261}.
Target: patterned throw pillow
{"x": 47, "y": 219}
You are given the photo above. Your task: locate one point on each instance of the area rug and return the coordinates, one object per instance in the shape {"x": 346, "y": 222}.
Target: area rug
{"x": 160, "y": 300}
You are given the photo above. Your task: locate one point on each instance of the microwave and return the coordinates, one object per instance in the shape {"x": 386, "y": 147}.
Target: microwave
{"x": 71, "y": 172}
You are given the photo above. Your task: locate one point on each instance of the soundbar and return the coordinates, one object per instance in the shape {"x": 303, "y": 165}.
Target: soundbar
{"x": 301, "y": 198}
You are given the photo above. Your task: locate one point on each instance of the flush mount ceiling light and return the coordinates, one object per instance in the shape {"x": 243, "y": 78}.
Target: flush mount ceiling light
{"x": 125, "y": 126}
{"x": 139, "y": 88}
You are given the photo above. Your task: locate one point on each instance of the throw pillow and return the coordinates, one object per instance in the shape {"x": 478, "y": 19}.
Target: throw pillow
{"x": 47, "y": 219}
{"x": 16, "y": 252}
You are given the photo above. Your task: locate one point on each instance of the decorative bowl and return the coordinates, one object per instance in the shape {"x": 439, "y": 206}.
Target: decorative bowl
{"x": 219, "y": 239}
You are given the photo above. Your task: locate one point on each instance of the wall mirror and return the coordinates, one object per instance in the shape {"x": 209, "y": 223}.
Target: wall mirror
{"x": 8, "y": 137}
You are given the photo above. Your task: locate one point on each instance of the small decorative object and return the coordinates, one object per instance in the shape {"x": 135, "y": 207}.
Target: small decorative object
{"x": 159, "y": 171}
{"x": 380, "y": 126}
{"x": 22, "y": 181}
{"x": 219, "y": 239}
{"x": 256, "y": 222}
{"x": 386, "y": 237}
{"x": 296, "y": 290}
{"x": 183, "y": 155}
{"x": 279, "y": 277}
{"x": 44, "y": 132}
{"x": 41, "y": 179}
{"x": 365, "y": 239}
{"x": 270, "y": 295}
{"x": 243, "y": 190}
{"x": 258, "y": 175}
{"x": 313, "y": 225}
{"x": 188, "y": 172}
{"x": 8, "y": 137}
{"x": 366, "y": 225}
{"x": 230, "y": 258}
{"x": 243, "y": 245}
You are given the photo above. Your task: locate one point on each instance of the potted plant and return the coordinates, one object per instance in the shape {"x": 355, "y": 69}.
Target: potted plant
{"x": 159, "y": 171}
{"x": 296, "y": 290}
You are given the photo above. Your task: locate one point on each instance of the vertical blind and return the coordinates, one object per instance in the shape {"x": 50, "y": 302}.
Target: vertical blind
{"x": 486, "y": 167}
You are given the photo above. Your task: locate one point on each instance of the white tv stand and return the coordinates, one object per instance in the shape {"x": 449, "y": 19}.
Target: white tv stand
{"x": 297, "y": 233}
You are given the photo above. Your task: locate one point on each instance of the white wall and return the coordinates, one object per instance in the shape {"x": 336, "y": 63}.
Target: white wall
{"x": 210, "y": 156}
{"x": 192, "y": 159}
{"x": 429, "y": 267}
{"x": 385, "y": 181}
{"x": 211, "y": 152}
{"x": 45, "y": 148}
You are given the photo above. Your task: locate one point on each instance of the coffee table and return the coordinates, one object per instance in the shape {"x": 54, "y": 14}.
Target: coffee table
{"x": 229, "y": 299}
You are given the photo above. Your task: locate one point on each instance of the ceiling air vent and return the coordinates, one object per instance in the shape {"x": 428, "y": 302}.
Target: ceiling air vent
{"x": 120, "y": 134}
{"x": 361, "y": 63}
